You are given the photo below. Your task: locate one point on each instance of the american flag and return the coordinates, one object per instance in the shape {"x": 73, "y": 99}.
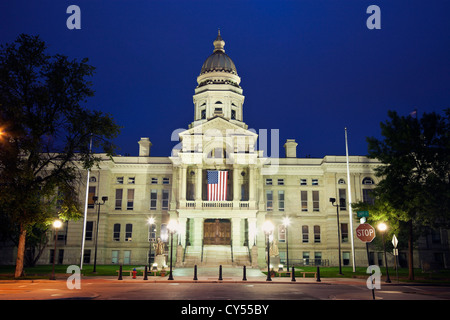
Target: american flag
{"x": 217, "y": 185}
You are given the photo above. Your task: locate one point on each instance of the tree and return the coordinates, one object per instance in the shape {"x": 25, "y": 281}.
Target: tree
{"x": 416, "y": 170}
{"x": 45, "y": 134}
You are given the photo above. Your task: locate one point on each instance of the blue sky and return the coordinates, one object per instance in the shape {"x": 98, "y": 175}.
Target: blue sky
{"x": 307, "y": 68}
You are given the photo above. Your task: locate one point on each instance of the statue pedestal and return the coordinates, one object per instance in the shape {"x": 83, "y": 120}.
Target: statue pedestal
{"x": 275, "y": 261}
{"x": 179, "y": 259}
{"x": 254, "y": 257}
{"x": 160, "y": 260}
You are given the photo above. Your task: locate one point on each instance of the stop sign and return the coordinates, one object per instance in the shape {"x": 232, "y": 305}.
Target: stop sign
{"x": 365, "y": 232}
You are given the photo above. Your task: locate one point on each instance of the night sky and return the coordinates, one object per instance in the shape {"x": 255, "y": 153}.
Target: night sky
{"x": 307, "y": 68}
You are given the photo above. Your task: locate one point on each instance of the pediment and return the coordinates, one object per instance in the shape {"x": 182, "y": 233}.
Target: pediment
{"x": 218, "y": 126}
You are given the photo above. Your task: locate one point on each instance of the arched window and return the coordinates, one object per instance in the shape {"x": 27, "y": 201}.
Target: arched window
{"x": 367, "y": 180}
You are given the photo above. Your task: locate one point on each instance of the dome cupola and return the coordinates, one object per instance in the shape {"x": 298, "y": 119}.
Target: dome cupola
{"x": 218, "y": 93}
{"x": 218, "y": 61}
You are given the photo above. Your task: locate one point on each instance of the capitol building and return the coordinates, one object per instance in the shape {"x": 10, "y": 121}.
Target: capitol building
{"x": 221, "y": 226}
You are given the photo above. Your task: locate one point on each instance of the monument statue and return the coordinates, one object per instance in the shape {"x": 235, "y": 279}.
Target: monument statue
{"x": 159, "y": 247}
{"x": 274, "y": 252}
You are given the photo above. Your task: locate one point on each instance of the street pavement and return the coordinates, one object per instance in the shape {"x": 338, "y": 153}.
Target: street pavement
{"x": 209, "y": 287}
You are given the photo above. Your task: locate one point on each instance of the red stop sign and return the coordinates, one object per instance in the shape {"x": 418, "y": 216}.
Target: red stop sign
{"x": 365, "y": 232}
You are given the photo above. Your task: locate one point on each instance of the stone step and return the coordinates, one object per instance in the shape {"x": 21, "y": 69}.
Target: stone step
{"x": 215, "y": 255}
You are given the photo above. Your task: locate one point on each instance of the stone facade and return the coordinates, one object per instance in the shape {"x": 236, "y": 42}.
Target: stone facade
{"x": 219, "y": 232}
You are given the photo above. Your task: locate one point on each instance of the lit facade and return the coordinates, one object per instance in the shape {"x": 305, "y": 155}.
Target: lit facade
{"x": 220, "y": 232}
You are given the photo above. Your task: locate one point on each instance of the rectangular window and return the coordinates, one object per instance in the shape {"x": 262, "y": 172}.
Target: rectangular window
{"x": 115, "y": 256}
{"x": 342, "y": 199}
{"x": 304, "y": 200}
{"x": 153, "y": 199}
{"x": 344, "y": 232}
{"x": 165, "y": 200}
{"x": 128, "y": 232}
{"x": 281, "y": 233}
{"x": 87, "y": 256}
{"x": 436, "y": 236}
{"x": 52, "y": 255}
{"x": 281, "y": 182}
{"x": 346, "y": 258}
{"x": 315, "y": 198}
{"x": 315, "y": 182}
{"x": 60, "y": 258}
{"x": 91, "y": 197}
{"x": 127, "y": 257}
{"x": 119, "y": 180}
{"x": 280, "y": 200}
{"x": 164, "y": 234}
{"x": 116, "y": 232}
{"x": 316, "y": 234}
{"x": 119, "y": 193}
{"x": 367, "y": 196}
{"x": 305, "y": 258}
{"x": 166, "y": 181}
{"x": 89, "y": 230}
{"x": 152, "y": 233}
{"x": 154, "y": 180}
{"x": 318, "y": 258}
{"x": 303, "y": 182}
{"x": 269, "y": 200}
{"x": 268, "y": 182}
{"x": 305, "y": 234}
{"x": 130, "y": 199}
{"x": 131, "y": 180}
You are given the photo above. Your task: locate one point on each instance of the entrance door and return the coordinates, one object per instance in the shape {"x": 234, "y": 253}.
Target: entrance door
{"x": 217, "y": 231}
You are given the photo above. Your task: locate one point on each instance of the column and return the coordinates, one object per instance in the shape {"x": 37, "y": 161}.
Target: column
{"x": 251, "y": 231}
{"x": 183, "y": 182}
{"x": 236, "y": 189}
{"x": 198, "y": 232}
{"x": 182, "y": 228}
{"x": 198, "y": 184}
{"x": 252, "y": 183}
{"x": 236, "y": 232}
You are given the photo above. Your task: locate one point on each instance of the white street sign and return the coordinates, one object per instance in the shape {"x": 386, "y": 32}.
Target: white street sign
{"x": 394, "y": 241}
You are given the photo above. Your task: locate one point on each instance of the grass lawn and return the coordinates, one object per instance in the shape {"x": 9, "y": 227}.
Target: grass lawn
{"x": 442, "y": 276}
{"x": 44, "y": 272}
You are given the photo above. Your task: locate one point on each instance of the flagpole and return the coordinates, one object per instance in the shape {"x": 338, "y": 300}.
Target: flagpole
{"x": 85, "y": 211}
{"x": 350, "y": 213}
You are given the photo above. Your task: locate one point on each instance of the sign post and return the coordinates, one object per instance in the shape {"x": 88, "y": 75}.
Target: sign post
{"x": 366, "y": 233}
{"x": 394, "y": 243}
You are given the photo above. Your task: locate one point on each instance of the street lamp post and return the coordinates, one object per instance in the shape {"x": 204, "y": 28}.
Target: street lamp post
{"x": 333, "y": 200}
{"x": 382, "y": 227}
{"x": 96, "y": 202}
{"x": 286, "y": 222}
{"x": 56, "y": 224}
{"x": 172, "y": 226}
{"x": 268, "y": 229}
{"x": 151, "y": 222}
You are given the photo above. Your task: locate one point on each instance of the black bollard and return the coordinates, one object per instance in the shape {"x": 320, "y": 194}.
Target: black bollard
{"x": 318, "y": 274}
{"x": 220, "y": 272}
{"x": 145, "y": 273}
{"x": 195, "y": 272}
{"x": 293, "y": 274}
{"x": 120, "y": 273}
{"x": 245, "y": 274}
